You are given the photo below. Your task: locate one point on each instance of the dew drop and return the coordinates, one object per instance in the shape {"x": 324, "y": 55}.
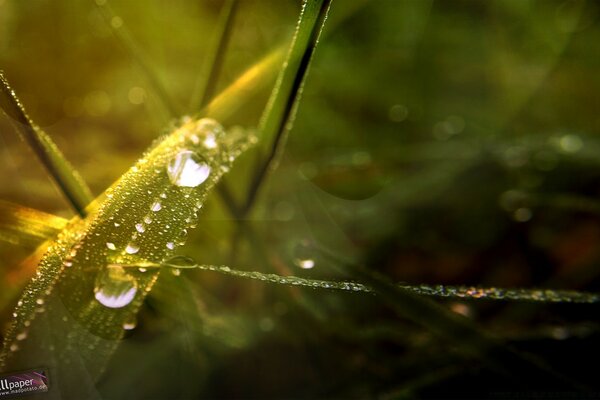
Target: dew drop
{"x": 117, "y": 224}
{"x": 140, "y": 228}
{"x": 114, "y": 287}
{"x": 130, "y": 324}
{"x": 40, "y": 301}
{"x": 22, "y": 336}
{"x": 307, "y": 263}
{"x": 188, "y": 169}
{"x": 111, "y": 246}
{"x": 156, "y": 206}
{"x": 210, "y": 142}
{"x": 171, "y": 245}
{"x": 176, "y": 271}
{"x": 132, "y": 248}
{"x": 148, "y": 219}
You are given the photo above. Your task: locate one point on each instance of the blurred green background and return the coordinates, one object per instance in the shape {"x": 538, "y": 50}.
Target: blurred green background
{"x": 450, "y": 142}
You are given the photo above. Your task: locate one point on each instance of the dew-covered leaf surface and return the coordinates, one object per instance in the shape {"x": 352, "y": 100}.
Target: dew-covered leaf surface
{"x": 81, "y": 300}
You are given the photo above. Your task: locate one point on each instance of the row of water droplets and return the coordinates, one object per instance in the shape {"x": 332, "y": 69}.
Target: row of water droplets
{"x": 186, "y": 170}
{"x": 466, "y": 292}
{"x": 34, "y": 300}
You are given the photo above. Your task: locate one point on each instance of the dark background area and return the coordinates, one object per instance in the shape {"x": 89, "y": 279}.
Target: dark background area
{"x": 437, "y": 142}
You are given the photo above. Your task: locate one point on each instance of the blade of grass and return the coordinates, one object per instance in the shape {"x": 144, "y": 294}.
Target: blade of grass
{"x": 215, "y": 57}
{"x": 21, "y": 225}
{"x": 279, "y": 114}
{"x": 442, "y": 291}
{"x": 128, "y": 42}
{"x": 61, "y": 171}
{"x": 82, "y": 261}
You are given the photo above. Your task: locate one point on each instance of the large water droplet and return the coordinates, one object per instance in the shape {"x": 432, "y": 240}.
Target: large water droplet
{"x": 188, "y": 169}
{"x": 156, "y": 206}
{"x": 140, "y": 227}
{"x": 114, "y": 287}
{"x": 132, "y": 248}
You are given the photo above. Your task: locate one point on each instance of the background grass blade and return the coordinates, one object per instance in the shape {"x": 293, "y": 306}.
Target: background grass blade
{"x": 64, "y": 175}
{"x": 126, "y": 39}
{"x": 26, "y": 226}
{"x": 215, "y": 57}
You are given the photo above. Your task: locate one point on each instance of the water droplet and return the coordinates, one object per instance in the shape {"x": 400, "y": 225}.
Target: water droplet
{"x": 210, "y": 142}
{"x": 156, "y": 206}
{"x": 170, "y": 245}
{"x": 148, "y": 219}
{"x": 188, "y": 169}
{"x": 22, "y": 336}
{"x": 163, "y": 196}
{"x": 176, "y": 271}
{"x": 117, "y": 224}
{"x": 111, "y": 246}
{"x": 40, "y": 301}
{"x": 305, "y": 263}
{"x": 14, "y": 347}
{"x": 140, "y": 228}
{"x": 130, "y": 324}
{"x": 114, "y": 287}
{"x": 68, "y": 264}
{"x": 132, "y": 248}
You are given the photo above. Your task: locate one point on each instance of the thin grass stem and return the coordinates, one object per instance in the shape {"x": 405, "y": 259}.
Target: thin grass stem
{"x": 68, "y": 180}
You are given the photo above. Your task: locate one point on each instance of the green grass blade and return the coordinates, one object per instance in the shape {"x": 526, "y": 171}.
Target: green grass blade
{"x": 216, "y": 56}
{"x": 128, "y": 42}
{"x": 62, "y": 172}
{"x": 442, "y": 291}
{"x": 279, "y": 114}
{"x": 71, "y": 315}
{"x": 21, "y": 225}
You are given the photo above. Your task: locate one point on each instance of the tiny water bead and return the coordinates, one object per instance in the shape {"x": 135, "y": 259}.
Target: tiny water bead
{"x": 305, "y": 263}
{"x": 111, "y": 246}
{"x": 115, "y": 288}
{"x": 156, "y": 206}
{"x": 141, "y": 228}
{"x": 188, "y": 169}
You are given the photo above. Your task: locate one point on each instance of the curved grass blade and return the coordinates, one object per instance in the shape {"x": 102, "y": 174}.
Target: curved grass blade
{"x": 62, "y": 172}
{"x": 72, "y": 314}
{"x": 449, "y": 291}
{"x": 26, "y": 226}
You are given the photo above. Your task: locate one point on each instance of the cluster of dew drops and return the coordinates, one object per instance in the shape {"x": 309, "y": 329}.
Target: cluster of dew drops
{"x": 116, "y": 288}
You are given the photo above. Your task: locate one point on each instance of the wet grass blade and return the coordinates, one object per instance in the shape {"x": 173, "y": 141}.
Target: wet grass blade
{"x": 72, "y": 314}
{"x": 442, "y": 291}
{"x": 279, "y": 114}
{"x": 62, "y": 172}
